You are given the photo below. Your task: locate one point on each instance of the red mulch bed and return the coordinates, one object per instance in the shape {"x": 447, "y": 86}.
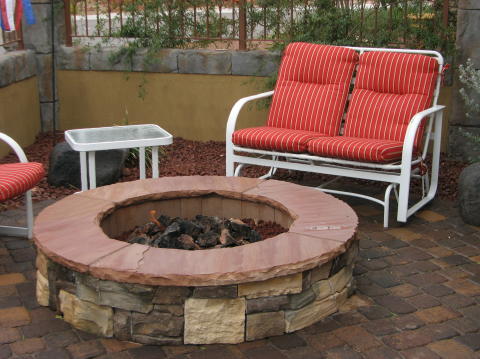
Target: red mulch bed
{"x": 186, "y": 158}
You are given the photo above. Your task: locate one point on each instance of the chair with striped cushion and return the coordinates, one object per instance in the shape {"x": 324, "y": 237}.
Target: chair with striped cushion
{"x": 392, "y": 118}
{"x": 308, "y": 101}
{"x": 16, "y": 179}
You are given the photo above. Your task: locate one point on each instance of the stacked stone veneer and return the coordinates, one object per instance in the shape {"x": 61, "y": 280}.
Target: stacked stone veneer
{"x": 190, "y": 61}
{"x": 468, "y": 47}
{"x": 196, "y": 315}
{"x": 16, "y": 66}
{"x": 228, "y": 295}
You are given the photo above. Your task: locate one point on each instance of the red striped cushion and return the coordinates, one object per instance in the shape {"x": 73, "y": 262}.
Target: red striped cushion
{"x": 389, "y": 89}
{"x": 356, "y": 149}
{"x": 271, "y": 138}
{"x": 17, "y": 178}
{"x": 312, "y": 88}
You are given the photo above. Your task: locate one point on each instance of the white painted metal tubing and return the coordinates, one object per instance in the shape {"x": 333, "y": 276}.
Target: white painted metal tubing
{"x": 92, "y": 169}
{"x": 352, "y": 194}
{"x": 386, "y": 207}
{"x": 11, "y": 231}
{"x": 402, "y": 213}
{"x": 155, "y": 162}
{"x": 385, "y": 203}
{"x": 435, "y": 54}
{"x": 327, "y": 160}
{"x": 14, "y": 146}
{"x": 325, "y": 184}
{"x": 231, "y": 123}
{"x": 141, "y": 155}
{"x": 29, "y": 205}
{"x": 271, "y": 171}
{"x": 238, "y": 170}
{"x": 83, "y": 170}
{"x": 435, "y": 166}
{"x": 330, "y": 170}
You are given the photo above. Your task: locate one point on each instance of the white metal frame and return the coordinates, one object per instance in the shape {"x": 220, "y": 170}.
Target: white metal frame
{"x": 397, "y": 174}
{"x": 19, "y": 231}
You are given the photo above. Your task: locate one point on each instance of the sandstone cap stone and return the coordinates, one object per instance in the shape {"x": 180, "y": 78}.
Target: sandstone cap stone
{"x": 69, "y": 232}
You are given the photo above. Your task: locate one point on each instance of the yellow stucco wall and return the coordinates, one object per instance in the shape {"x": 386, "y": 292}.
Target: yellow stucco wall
{"x": 19, "y": 112}
{"x": 190, "y": 106}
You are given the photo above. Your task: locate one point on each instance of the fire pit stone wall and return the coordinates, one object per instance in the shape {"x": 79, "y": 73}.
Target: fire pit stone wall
{"x": 168, "y": 308}
{"x": 196, "y": 315}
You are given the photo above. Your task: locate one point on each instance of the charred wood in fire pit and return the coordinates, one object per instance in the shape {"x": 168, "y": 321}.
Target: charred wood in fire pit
{"x": 200, "y": 233}
{"x": 189, "y": 227}
{"x": 210, "y": 223}
{"x": 139, "y": 239}
{"x": 225, "y": 239}
{"x": 186, "y": 242}
{"x": 165, "y": 220}
{"x": 208, "y": 240}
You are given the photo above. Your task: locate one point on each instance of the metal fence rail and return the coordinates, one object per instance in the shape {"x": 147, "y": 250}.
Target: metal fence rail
{"x": 246, "y": 24}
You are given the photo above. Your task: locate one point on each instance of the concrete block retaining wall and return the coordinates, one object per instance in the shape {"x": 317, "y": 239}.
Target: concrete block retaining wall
{"x": 16, "y": 66}
{"x": 195, "y": 61}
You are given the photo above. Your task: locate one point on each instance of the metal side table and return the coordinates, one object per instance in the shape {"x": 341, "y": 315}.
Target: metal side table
{"x": 88, "y": 140}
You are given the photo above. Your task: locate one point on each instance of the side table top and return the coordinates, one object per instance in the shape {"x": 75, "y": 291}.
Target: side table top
{"x": 108, "y": 138}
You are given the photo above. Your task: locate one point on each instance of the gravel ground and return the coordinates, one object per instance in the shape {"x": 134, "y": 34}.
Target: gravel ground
{"x": 186, "y": 158}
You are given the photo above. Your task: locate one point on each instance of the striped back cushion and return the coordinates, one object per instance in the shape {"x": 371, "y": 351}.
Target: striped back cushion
{"x": 312, "y": 88}
{"x": 389, "y": 89}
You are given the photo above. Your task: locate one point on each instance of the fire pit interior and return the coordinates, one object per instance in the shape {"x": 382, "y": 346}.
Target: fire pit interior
{"x": 227, "y": 294}
{"x": 201, "y": 232}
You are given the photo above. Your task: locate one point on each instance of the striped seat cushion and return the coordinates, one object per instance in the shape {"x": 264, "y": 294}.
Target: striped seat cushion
{"x": 356, "y": 149}
{"x": 312, "y": 88}
{"x": 17, "y": 178}
{"x": 390, "y": 89}
{"x": 271, "y": 138}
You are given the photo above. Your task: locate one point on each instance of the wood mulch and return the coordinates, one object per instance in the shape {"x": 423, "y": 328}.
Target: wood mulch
{"x": 187, "y": 158}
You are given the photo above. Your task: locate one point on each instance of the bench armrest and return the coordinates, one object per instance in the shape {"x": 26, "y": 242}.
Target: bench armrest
{"x": 14, "y": 146}
{"x": 232, "y": 118}
{"x": 413, "y": 128}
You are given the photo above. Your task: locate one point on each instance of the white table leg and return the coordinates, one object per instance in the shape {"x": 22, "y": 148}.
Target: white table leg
{"x": 155, "y": 162}
{"x": 141, "y": 152}
{"x": 83, "y": 170}
{"x": 91, "y": 170}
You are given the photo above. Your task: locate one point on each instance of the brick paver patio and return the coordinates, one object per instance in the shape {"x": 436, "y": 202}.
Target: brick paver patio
{"x": 418, "y": 296}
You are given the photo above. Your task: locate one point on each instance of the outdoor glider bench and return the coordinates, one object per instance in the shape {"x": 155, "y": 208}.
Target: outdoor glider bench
{"x": 364, "y": 113}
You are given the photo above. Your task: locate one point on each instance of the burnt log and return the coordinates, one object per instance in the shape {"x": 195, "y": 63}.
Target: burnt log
{"x": 207, "y": 240}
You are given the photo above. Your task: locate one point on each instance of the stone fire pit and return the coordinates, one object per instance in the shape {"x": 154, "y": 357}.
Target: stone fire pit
{"x": 169, "y": 296}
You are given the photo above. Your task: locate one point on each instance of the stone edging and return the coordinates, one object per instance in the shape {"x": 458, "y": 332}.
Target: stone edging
{"x": 16, "y": 66}
{"x": 323, "y": 227}
{"x": 194, "y": 61}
